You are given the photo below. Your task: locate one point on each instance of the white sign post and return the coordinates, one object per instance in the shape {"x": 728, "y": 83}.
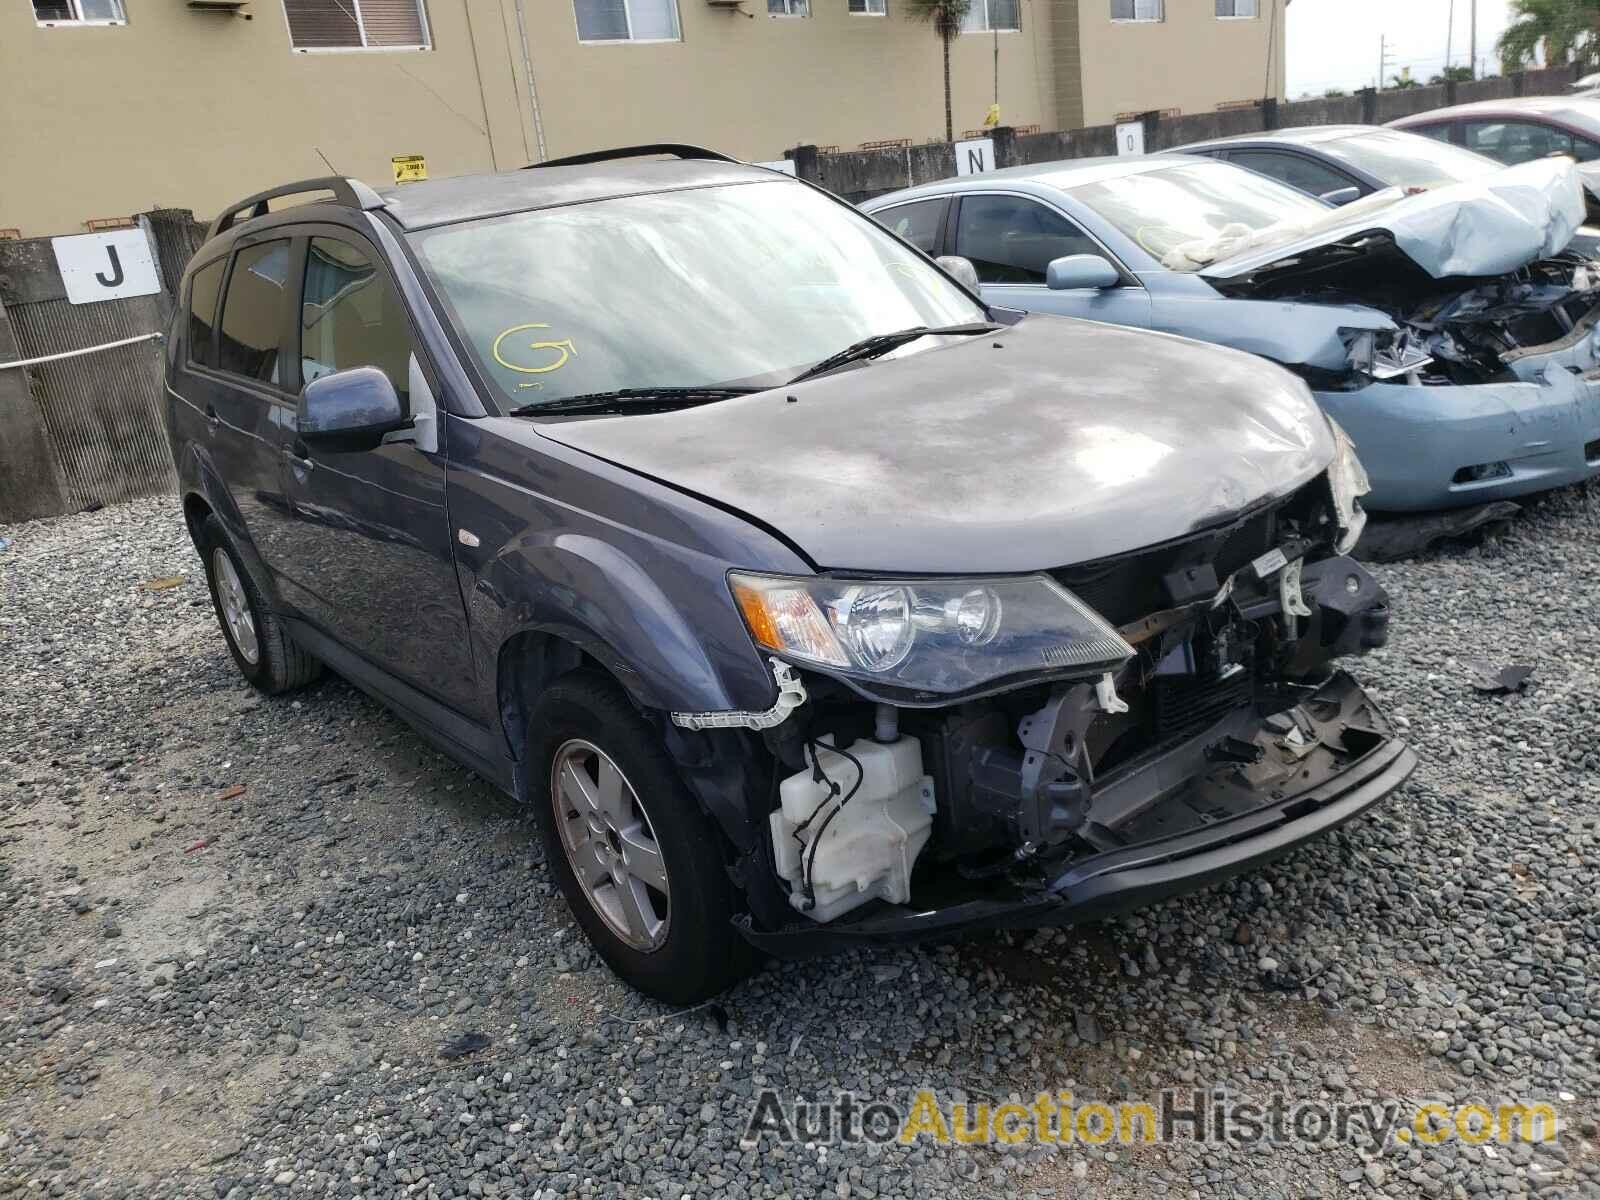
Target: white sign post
{"x": 106, "y": 266}
{"x": 1130, "y": 137}
{"x": 975, "y": 157}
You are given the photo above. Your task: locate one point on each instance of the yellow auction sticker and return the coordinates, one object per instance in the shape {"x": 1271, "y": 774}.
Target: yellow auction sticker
{"x": 409, "y": 168}
{"x": 564, "y": 349}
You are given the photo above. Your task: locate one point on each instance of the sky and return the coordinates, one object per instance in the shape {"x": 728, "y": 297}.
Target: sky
{"x": 1335, "y": 43}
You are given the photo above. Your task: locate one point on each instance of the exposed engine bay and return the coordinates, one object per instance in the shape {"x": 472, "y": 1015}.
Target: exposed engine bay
{"x": 1228, "y": 707}
{"x": 1446, "y": 331}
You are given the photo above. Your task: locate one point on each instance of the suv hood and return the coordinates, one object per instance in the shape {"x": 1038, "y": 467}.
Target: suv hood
{"x": 1487, "y": 226}
{"x": 1049, "y": 443}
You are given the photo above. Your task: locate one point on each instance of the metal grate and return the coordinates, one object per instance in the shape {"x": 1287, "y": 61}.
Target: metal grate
{"x": 102, "y": 412}
{"x": 1183, "y": 705}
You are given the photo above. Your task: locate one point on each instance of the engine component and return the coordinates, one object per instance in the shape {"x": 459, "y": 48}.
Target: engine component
{"x": 849, "y": 829}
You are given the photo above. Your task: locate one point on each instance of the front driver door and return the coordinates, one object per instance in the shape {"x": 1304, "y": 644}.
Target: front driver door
{"x": 1011, "y": 239}
{"x": 371, "y": 562}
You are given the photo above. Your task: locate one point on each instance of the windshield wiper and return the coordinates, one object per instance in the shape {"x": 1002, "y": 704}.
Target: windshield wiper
{"x": 881, "y": 343}
{"x": 642, "y": 397}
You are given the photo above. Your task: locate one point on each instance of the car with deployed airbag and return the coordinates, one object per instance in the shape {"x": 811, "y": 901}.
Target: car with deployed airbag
{"x": 1450, "y": 333}
{"x": 805, "y": 600}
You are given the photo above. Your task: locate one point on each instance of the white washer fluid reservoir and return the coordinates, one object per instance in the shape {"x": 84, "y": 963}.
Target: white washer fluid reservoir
{"x": 869, "y": 846}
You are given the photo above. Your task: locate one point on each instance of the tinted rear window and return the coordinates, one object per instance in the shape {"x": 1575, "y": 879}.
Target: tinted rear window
{"x": 203, "y": 287}
{"x": 253, "y": 313}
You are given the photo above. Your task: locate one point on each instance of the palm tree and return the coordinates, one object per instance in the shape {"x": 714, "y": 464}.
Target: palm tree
{"x": 946, "y": 16}
{"x": 1566, "y": 29}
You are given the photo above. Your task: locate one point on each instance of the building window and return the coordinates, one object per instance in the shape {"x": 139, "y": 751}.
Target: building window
{"x": 627, "y": 20}
{"x": 788, "y": 8}
{"x": 869, "y": 8}
{"x": 79, "y": 12}
{"x": 1138, "y": 10}
{"x": 1238, "y": 8}
{"x": 985, "y": 16}
{"x": 357, "y": 24}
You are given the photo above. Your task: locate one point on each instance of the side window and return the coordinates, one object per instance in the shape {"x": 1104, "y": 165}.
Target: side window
{"x": 1443, "y": 132}
{"x": 253, "y": 314}
{"x": 918, "y": 223}
{"x": 1304, "y": 173}
{"x": 1513, "y": 142}
{"x": 1010, "y": 239}
{"x": 1584, "y": 150}
{"x": 351, "y": 317}
{"x": 204, "y": 285}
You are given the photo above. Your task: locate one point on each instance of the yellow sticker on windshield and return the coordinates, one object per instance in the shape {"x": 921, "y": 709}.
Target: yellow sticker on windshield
{"x": 564, "y": 349}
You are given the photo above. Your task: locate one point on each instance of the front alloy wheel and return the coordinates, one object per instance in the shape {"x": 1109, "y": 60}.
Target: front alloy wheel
{"x": 611, "y": 845}
{"x": 643, "y": 868}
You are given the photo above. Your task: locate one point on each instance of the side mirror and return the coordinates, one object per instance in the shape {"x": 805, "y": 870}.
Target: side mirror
{"x": 1080, "y": 271}
{"x": 1341, "y": 196}
{"x": 350, "y": 410}
{"x": 962, "y": 269}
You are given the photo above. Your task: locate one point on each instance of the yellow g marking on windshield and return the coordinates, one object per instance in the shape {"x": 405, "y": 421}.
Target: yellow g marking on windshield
{"x": 564, "y": 348}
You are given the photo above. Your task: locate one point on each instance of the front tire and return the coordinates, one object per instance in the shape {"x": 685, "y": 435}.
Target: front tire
{"x": 261, "y": 647}
{"x": 640, "y": 865}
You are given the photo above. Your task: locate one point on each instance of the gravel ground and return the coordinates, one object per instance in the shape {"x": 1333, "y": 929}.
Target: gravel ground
{"x": 235, "y": 932}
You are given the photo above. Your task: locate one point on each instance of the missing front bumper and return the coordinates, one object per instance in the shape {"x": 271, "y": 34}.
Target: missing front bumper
{"x": 1180, "y": 824}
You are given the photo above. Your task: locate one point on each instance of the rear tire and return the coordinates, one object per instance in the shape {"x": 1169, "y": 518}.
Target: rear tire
{"x": 654, "y": 896}
{"x": 261, "y": 647}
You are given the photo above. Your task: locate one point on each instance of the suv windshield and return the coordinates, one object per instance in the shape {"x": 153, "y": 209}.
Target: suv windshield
{"x": 1406, "y": 160}
{"x": 737, "y": 285}
{"x": 1195, "y": 202}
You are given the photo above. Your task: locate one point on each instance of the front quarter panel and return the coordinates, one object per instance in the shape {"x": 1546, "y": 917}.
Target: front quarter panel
{"x": 631, "y": 571}
{"x": 1288, "y": 333}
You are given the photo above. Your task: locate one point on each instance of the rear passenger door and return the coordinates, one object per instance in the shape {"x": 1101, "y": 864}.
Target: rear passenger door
{"x": 236, "y": 377}
{"x": 1011, "y": 239}
{"x": 372, "y": 563}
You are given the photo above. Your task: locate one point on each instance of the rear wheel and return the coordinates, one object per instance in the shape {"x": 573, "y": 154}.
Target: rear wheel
{"x": 261, "y": 647}
{"x": 640, "y": 865}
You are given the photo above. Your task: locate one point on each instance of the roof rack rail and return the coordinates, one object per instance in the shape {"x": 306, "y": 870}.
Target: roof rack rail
{"x": 351, "y": 193}
{"x": 676, "y": 149}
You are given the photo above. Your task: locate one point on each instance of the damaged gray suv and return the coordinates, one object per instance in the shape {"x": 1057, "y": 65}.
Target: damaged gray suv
{"x": 804, "y": 600}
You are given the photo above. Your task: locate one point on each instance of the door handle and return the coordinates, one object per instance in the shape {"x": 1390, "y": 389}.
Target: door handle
{"x": 211, "y": 416}
{"x": 294, "y": 457}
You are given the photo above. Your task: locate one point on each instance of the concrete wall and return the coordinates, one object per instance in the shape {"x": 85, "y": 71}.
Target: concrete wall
{"x": 190, "y": 109}
{"x": 862, "y": 175}
{"x": 753, "y": 87}
{"x": 1191, "y": 61}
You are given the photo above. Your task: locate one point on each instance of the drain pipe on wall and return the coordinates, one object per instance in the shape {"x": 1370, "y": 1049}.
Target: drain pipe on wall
{"x": 533, "y": 91}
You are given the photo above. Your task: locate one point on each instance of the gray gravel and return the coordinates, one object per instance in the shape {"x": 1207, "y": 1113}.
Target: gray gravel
{"x": 235, "y": 932}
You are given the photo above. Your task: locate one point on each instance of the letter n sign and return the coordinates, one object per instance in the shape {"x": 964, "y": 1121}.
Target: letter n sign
{"x": 975, "y": 157}
{"x": 106, "y": 266}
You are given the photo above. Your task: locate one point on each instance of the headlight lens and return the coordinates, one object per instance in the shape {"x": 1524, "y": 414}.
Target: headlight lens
{"x": 929, "y": 635}
{"x": 1348, "y": 480}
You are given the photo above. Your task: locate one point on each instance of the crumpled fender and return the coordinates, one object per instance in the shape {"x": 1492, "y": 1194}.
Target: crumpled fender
{"x": 1289, "y": 333}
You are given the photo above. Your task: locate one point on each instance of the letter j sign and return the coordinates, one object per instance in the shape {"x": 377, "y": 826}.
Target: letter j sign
{"x": 106, "y": 266}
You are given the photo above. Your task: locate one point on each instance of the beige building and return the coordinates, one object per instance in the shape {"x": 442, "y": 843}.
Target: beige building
{"x": 109, "y": 107}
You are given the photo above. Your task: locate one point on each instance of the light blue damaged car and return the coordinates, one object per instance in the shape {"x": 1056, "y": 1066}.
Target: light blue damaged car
{"x": 1449, "y": 331}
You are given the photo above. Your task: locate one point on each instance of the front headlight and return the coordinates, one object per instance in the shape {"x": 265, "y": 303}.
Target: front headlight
{"x": 928, "y": 635}
{"x": 1348, "y": 480}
